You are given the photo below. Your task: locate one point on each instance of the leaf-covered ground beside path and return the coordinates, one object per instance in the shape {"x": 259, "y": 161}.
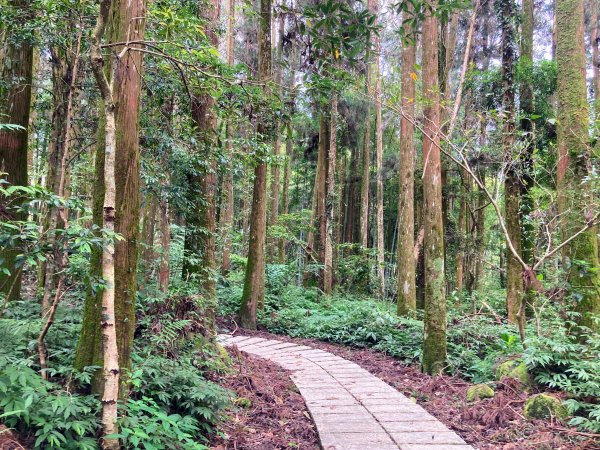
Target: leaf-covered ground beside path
{"x": 488, "y": 424}
{"x": 271, "y": 414}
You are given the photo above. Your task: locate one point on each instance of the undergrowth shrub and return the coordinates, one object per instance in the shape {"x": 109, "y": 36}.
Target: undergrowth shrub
{"x": 54, "y": 417}
{"x": 172, "y": 404}
{"x": 563, "y": 362}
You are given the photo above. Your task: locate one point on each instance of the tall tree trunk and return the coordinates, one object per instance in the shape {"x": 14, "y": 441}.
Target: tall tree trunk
{"x": 289, "y": 158}
{"x": 254, "y": 281}
{"x": 320, "y": 197}
{"x": 407, "y": 297}
{"x": 108, "y": 324}
{"x": 16, "y": 65}
{"x": 512, "y": 184}
{"x": 89, "y": 346}
{"x": 526, "y": 125}
{"x": 228, "y": 193}
{"x": 275, "y": 168}
{"x": 62, "y": 78}
{"x": 379, "y": 166}
{"x": 366, "y": 168}
{"x": 434, "y": 341}
{"x": 127, "y": 23}
{"x": 201, "y": 219}
{"x": 330, "y": 199}
{"x": 575, "y": 155}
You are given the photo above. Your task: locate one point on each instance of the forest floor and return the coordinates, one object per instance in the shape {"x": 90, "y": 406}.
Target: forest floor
{"x": 487, "y": 424}
{"x": 271, "y": 414}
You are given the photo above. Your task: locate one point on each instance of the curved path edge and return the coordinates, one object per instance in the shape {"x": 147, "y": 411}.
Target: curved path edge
{"x": 352, "y": 408}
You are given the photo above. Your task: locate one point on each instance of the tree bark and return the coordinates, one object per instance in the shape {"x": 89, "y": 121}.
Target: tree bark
{"x": 434, "y": 339}
{"x": 527, "y": 129}
{"x": 366, "y": 168}
{"x": 254, "y": 281}
{"x": 202, "y": 185}
{"x": 379, "y": 166}
{"x": 16, "y": 65}
{"x": 330, "y": 198}
{"x": 407, "y": 296}
{"x": 512, "y": 183}
{"x": 577, "y": 205}
{"x": 227, "y": 202}
{"x": 108, "y": 324}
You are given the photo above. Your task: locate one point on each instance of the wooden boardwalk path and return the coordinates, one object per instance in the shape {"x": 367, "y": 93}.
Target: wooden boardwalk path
{"x": 352, "y": 409}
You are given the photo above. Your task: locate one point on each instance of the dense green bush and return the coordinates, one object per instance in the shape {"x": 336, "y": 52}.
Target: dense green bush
{"x": 171, "y": 404}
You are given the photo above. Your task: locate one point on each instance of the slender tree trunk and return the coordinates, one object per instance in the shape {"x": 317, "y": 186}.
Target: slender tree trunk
{"x": 434, "y": 342}
{"x": 108, "y": 325}
{"x": 479, "y": 229}
{"x": 330, "y": 199}
{"x": 462, "y": 219}
{"x": 512, "y": 184}
{"x": 366, "y": 168}
{"x": 379, "y": 168}
{"x": 578, "y": 202}
{"x": 62, "y": 78}
{"x": 527, "y": 128}
{"x": 165, "y": 242}
{"x": 254, "y": 281}
{"x": 289, "y": 158}
{"x": 16, "y": 65}
{"x": 228, "y": 193}
{"x": 275, "y": 168}
{"x": 320, "y": 197}
{"x": 89, "y": 347}
{"x": 407, "y": 297}
{"x": 201, "y": 220}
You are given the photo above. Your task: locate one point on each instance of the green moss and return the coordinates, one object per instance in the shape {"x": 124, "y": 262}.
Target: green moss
{"x": 544, "y": 406}
{"x": 243, "y": 402}
{"x": 514, "y": 368}
{"x": 478, "y": 392}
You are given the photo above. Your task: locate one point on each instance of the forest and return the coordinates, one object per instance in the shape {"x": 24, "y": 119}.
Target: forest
{"x": 300, "y": 224}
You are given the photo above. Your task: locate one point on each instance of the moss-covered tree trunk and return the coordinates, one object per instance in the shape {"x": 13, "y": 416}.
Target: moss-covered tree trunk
{"x": 16, "y": 65}
{"x": 407, "y": 294}
{"x": 200, "y": 263}
{"x": 366, "y": 170}
{"x": 228, "y": 198}
{"x": 512, "y": 185}
{"x": 578, "y": 204}
{"x": 89, "y": 346}
{"x": 434, "y": 334}
{"x": 527, "y": 129}
{"x": 127, "y": 23}
{"x": 330, "y": 188}
{"x": 289, "y": 159}
{"x": 254, "y": 280}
